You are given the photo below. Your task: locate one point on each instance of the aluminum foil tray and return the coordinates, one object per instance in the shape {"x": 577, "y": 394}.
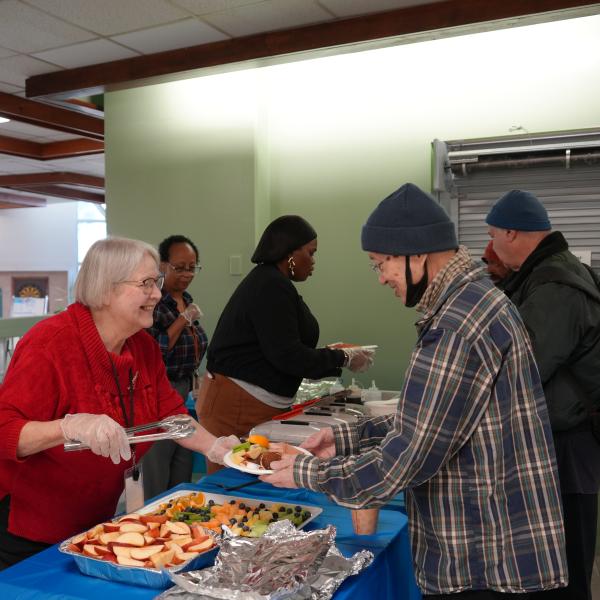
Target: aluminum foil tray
{"x": 142, "y": 576}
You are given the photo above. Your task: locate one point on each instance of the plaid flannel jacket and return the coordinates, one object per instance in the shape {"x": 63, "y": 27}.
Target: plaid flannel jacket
{"x": 185, "y": 356}
{"x": 470, "y": 444}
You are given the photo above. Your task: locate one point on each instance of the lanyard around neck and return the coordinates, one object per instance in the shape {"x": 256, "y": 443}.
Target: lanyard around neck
{"x": 128, "y": 418}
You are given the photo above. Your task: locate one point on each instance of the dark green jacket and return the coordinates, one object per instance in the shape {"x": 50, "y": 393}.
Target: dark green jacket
{"x": 564, "y": 325}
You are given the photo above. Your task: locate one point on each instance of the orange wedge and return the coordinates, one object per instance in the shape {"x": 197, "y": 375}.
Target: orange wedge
{"x": 261, "y": 440}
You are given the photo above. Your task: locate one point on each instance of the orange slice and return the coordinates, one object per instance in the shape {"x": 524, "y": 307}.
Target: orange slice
{"x": 261, "y": 440}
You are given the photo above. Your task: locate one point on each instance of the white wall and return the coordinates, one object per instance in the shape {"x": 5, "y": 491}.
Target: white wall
{"x": 39, "y": 239}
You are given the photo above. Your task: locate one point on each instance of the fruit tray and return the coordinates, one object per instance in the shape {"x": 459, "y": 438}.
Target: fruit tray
{"x": 243, "y": 516}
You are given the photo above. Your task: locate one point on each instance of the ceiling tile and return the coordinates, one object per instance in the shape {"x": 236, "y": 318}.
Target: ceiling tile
{"x": 87, "y": 53}
{"x": 189, "y": 32}
{"x": 5, "y": 52}
{"x": 16, "y": 69}
{"x": 26, "y": 29}
{"x": 204, "y": 7}
{"x": 8, "y": 88}
{"x": 267, "y": 16}
{"x": 25, "y": 131}
{"x": 108, "y": 17}
{"x": 346, "y": 8}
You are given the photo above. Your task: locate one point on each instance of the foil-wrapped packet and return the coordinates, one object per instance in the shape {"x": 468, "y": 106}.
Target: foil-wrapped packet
{"x": 283, "y": 564}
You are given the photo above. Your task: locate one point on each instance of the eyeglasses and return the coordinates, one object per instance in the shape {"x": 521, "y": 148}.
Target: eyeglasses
{"x": 148, "y": 284}
{"x": 377, "y": 266}
{"x": 181, "y": 269}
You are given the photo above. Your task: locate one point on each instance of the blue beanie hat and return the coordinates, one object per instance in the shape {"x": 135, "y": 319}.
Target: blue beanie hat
{"x": 408, "y": 222}
{"x": 519, "y": 210}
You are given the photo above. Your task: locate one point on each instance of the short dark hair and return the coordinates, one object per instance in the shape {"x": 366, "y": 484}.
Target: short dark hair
{"x": 281, "y": 237}
{"x": 164, "y": 248}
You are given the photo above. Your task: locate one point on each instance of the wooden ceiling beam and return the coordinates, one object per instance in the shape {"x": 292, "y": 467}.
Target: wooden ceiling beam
{"x": 8, "y": 200}
{"x": 69, "y": 148}
{"x": 97, "y": 78}
{"x": 50, "y": 117}
{"x": 50, "y": 150}
{"x": 59, "y": 191}
{"x": 31, "y": 180}
{"x": 18, "y": 147}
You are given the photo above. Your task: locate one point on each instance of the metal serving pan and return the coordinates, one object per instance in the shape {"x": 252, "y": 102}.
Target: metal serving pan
{"x": 143, "y": 576}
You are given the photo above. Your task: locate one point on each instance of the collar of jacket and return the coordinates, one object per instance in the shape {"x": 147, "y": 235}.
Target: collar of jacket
{"x": 550, "y": 245}
{"x": 470, "y": 272}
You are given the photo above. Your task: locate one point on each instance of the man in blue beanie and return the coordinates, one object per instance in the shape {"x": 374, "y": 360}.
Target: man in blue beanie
{"x": 470, "y": 443}
{"x": 559, "y": 301}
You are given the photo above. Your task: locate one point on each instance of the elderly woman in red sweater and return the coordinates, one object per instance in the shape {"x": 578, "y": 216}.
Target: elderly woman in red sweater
{"x": 85, "y": 375}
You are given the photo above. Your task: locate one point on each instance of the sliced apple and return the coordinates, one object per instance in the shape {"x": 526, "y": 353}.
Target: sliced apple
{"x": 201, "y": 547}
{"x": 133, "y": 526}
{"x": 187, "y": 555}
{"x": 111, "y": 527}
{"x": 178, "y": 527}
{"x": 96, "y": 531}
{"x": 164, "y": 530}
{"x": 110, "y": 557}
{"x": 154, "y": 531}
{"x": 74, "y": 548}
{"x": 90, "y": 550}
{"x": 79, "y": 539}
{"x": 121, "y": 550}
{"x": 148, "y": 539}
{"x": 160, "y": 559}
{"x": 103, "y": 550}
{"x": 176, "y": 561}
{"x": 174, "y": 546}
{"x": 154, "y": 518}
{"x": 131, "y": 537}
{"x": 130, "y": 562}
{"x": 130, "y": 517}
{"x": 105, "y": 538}
{"x": 146, "y": 552}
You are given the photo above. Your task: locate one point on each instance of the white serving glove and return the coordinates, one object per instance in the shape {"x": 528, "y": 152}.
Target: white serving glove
{"x": 220, "y": 447}
{"x": 191, "y": 313}
{"x": 102, "y": 434}
{"x": 358, "y": 360}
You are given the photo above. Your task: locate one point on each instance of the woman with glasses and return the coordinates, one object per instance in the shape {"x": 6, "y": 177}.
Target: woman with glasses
{"x": 265, "y": 340}
{"x": 85, "y": 374}
{"x": 182, "y": 343}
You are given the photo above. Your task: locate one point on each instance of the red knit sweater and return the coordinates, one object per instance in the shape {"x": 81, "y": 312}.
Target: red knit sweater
{"x": 61, "y": 366}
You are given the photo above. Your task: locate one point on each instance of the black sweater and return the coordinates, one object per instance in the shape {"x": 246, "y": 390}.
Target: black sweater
{"x": 267, "y": 336}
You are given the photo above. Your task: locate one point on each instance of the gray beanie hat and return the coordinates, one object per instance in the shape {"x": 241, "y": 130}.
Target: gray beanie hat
{"x": 408, "y": 222}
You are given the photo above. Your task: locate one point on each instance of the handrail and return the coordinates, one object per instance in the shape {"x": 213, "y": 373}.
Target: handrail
{"x": 18, "y": 326}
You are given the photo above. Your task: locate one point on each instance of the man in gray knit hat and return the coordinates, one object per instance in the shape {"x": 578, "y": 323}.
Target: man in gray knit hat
{"x": 470, "y": 442}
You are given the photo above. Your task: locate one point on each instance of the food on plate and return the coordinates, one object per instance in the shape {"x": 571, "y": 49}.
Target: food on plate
{"x": 259, "y": 451}
{"x": 340, "y": 345}
{"x": 242, "y": 517}
{"x": 149, "y": 541}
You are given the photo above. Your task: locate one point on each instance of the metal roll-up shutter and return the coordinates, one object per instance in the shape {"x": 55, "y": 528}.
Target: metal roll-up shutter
{"x": 569, "y": 189}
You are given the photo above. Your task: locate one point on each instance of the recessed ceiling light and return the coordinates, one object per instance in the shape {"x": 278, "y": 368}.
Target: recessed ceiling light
{"x": 3, "y": 120}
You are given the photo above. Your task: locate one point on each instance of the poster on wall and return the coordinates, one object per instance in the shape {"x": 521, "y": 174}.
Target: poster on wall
{"x": 28, "y": 306}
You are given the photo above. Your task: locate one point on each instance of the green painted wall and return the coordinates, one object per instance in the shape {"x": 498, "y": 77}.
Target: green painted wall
{"x": 218, "y": 157}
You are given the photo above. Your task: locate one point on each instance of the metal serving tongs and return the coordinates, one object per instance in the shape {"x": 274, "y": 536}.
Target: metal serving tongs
{"x": 175, "y": 427}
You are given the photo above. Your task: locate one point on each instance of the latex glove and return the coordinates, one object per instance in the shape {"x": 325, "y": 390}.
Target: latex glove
{"x": 220, "y": 447}
{"x": 191, "y": 313}
{"x": 320, "y": 443}
{"x": 284, "y": 472}
{"x": 359, "y": 359}
{"x": 102, "y": 434}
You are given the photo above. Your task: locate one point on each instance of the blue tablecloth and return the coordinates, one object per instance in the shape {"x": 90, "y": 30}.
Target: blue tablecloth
{"x": 51, "y": 575}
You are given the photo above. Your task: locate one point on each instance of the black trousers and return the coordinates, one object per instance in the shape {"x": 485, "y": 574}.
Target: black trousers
{"x": 478, "y": 595}
{"x": 13, "y": 548}
{"x": 581, "y": 519}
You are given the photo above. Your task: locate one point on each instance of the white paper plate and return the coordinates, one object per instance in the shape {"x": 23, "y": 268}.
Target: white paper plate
{"x": 254, "y": 469}
{"x": 371, "y": 347}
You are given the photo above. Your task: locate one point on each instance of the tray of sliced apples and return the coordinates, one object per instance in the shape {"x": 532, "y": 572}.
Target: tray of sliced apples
{"x": 139, "y": 548}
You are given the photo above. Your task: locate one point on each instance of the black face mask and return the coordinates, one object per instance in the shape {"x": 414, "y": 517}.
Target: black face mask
{"x": 414, "y": 291}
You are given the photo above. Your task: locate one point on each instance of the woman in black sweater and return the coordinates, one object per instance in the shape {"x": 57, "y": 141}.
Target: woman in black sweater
{"x": 265, "y": 340}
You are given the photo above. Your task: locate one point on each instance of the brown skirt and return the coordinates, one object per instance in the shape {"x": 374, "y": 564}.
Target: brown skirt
{"x": 224, "y": 408}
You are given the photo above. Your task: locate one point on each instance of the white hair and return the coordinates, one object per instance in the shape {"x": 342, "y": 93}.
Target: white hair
{"x": 108, "y": 262}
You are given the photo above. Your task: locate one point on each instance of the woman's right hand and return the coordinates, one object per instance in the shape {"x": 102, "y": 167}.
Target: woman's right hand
{"x": 102, "y": 434}
{"x": 321, "y": 443}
